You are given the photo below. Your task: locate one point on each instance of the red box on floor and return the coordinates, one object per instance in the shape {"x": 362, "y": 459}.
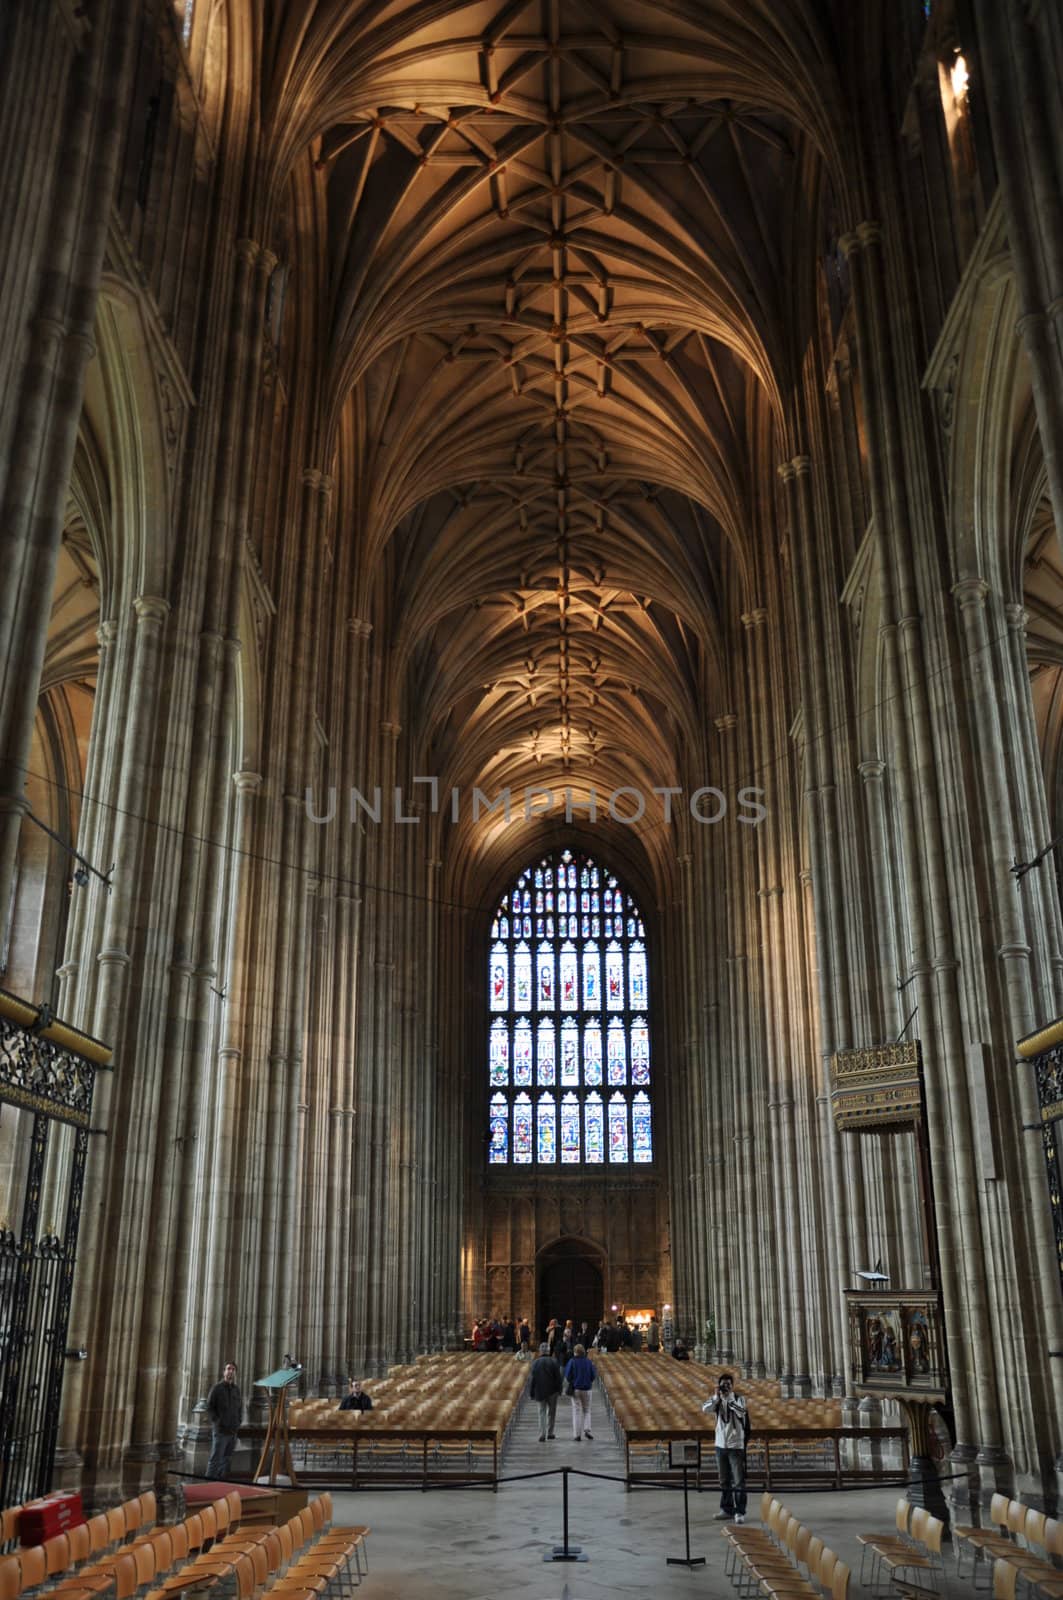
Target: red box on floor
{"x": 42, "y": 1519}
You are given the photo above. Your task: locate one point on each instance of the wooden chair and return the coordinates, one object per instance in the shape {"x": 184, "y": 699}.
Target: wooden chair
{"x": 877, "y": 1545}
{"x": 10, "y": 1577}
{"x": 193, "y": 1526}
{"x": 99, "y": 1534}
{"x": 1035, "y": 1569}
{"x": 116, "y": 1526}
{"x": 80, "y": 1543}
{"x": 983, "y": 1541}
{"x": 33, "y": 1565}
{"x": 118, "y": 1578}
{"x": 839, "y": 1581}
{"x": 1005, "y": 1581}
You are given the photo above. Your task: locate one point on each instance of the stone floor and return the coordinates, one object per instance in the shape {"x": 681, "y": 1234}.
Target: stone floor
{"x": 474, "y": 1545}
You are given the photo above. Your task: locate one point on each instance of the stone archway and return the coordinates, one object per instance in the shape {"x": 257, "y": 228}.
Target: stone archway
{"x": 571, "y": 1283}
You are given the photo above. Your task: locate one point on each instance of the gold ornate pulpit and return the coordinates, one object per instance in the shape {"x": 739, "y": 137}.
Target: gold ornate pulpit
{"x": 897, "y": 1344}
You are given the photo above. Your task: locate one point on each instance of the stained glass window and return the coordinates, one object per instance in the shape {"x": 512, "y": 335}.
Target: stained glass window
{"x": 499, "y": 1145}
{"x": 545, "y": 963}
{"x": 499, "y": 1055}
{"x": 546, "y": 1054}
{"x": 569, "y": 1053}
{"x": 522, "y": 1054}
{"x": 547, "y": 1129}
{"x": 522, "y": 978}
{"x": 569, "y": 1128}
{"x": 522, "y": 1129}
{"x": 499, "y": 978}
{"x": 568, "y": 1014}
{"x": 617, "y": 1128}
{"x": 593, "y": 1129}
{"x": 641, "y": 1132}
{"x": 592, "y": 1056}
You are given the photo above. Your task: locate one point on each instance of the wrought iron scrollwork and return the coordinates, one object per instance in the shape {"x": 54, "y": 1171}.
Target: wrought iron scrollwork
{"x": 48, "y": 1084}
{"x": 1049, "y": 1070}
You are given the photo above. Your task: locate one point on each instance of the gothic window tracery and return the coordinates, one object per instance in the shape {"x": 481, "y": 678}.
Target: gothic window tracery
{"x": 568, "y": 1044}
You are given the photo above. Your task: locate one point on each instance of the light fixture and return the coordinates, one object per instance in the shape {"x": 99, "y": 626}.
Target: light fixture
{"x": 959, "y": 76}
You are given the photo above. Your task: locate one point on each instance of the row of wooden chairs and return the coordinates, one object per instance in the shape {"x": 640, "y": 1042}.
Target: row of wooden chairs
{"x": 107, "y": 1530}
{"x": 914, "y": 1547}
{"x": 1015, "y": 1536}
{"x": 305, "y": 1559}
{"x": 783, "y": 1558}
{"x": 455, "y": 1391}
{"x": 84, "y": 1561}
{"x": 670, "y": 1396}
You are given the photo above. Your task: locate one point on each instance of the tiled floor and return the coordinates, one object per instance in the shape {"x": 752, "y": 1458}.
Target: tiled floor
{"x": 475, "y": 1545}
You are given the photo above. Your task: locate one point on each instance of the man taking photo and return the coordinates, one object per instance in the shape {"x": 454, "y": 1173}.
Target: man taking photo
{"x": 731, "y": 1415}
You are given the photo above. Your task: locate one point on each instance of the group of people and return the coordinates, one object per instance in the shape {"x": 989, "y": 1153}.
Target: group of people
{"x": 514, "y": 1334}
{"x": 498, "y": 1333}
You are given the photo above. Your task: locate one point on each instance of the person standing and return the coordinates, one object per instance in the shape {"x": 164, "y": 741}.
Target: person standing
{"x": 579, "y": 1376}
{"x": 653, "y": 1336}
{"x": 225, "y": 1408}
{"x": 731, "y": 1416}
{"x": 544, "y": 1388}
{"x": 524, "y": 1336}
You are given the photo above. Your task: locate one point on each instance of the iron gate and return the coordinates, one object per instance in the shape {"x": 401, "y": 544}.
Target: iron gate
{"x": 47, "y": 1072}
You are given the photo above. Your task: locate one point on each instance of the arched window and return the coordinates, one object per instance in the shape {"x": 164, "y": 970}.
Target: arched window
{"x": 568, "y": 1044}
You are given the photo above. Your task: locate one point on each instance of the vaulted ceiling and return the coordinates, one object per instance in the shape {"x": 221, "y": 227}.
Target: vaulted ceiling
{"x": 561, "y": 321}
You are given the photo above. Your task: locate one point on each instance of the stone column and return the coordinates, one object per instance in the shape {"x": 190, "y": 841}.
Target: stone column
{"x": 1021, "y": 62}
{"x": 847, "y": 1216}
{"x": 1032, "y": 1245}
{"x": 50, "y": 385}
{"x": 952, "y": 1142}
{"x": 115, "y": 1225}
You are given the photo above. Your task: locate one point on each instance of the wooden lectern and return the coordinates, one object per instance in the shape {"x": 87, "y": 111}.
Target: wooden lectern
{"x": 277, "y": 1448}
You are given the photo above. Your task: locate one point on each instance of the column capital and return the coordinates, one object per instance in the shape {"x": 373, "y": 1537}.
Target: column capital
{"x": 970, "y": 592}
{"x": 106, "y": 633}
{"x": 755, "y": 618}
{"x": 247, "y": 781}
{"x": 725, "y": 723}
{"x": 785, "y": 469}
{"x": 1017, "y": 617}
{"x": 151, "y": 608}
{"x": 871, "y": 770}
{"x": 314, "y": 478}
{"x": 801, "y": 465}
{"x": 247, "y": 250}
{"x": 359, "y": 627}
{"x": 391, "y": 730}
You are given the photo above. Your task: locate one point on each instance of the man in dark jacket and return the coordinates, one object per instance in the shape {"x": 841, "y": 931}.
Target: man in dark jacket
{"x": 225, "y": 1408}
{"x": 356, "y": 1398}
{"x": 544, "y": 1389}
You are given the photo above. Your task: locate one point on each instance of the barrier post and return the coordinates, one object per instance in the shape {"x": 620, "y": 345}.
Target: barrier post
{"x": 680, "y": 1452}
{"x": 565, "y": 1551}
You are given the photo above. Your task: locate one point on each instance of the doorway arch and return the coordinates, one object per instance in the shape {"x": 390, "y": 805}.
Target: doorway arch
{"x": 571, "y": 1283}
